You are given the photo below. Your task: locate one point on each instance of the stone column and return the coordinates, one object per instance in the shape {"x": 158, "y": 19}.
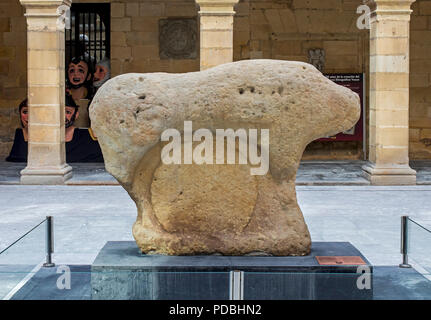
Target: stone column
{"x": 46, "y": 162}
{"x": 216, "y": 32}
{"x": 389, "y": 94}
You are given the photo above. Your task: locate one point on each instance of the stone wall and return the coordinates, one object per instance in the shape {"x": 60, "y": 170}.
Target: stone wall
{"x": 277, "y": 29}
{"x": 420, "y": 81}
{"x": 284, "y": 29}
{"x": 13, "y": 66}
{"x": 135, "y": 35}
{"x": 287, "y": 29}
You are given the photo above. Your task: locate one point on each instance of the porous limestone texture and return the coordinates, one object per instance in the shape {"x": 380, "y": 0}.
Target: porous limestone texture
{"x": 190, "y": 209}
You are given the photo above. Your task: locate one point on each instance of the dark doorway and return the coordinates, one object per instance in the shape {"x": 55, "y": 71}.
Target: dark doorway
{"x": 89, "y": 31}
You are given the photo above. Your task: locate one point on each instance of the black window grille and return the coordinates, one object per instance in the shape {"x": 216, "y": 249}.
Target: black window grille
{"x": 89, "y": 31}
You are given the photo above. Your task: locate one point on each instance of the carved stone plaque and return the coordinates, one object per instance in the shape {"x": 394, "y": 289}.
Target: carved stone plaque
{"x": 178, "y": 38}
{"x": 317, "y": 57}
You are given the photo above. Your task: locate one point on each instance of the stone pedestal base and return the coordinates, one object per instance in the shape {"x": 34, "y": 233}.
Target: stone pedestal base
{"x": 46, "y": 175}
{"x": 121, "y": 272}
{"x": 389, "y": 175}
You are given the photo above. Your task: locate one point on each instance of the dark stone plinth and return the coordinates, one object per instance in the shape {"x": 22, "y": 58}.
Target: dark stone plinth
{"x": 120, "y": 271}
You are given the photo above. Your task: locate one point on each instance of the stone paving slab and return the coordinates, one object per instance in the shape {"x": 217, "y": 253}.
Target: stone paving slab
{"x": 423, "y": 171}
{"x": 83, "y": 174}
{"x": 86, "y": 217}
{"x": 331, "y": 173}
{"x": 309, "y": 173}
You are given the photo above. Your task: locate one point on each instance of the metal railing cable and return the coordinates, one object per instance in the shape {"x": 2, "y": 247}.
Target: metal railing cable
{"x": 23, "y": 236}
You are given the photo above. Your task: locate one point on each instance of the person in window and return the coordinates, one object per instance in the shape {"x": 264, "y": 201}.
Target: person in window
{"x": 79, "y": 79}
{"x": 19, "y": 150}
{"x": 81, "y": 144}
{"x": 102, "y": 73}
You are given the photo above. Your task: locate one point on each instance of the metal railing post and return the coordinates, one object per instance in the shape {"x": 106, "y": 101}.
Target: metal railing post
{"x": 404, "y": 242}
{"x": 49, "y": 241}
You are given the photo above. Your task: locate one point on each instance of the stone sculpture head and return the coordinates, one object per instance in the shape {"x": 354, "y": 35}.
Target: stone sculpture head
{"x": 102, "y": 72}
{"x": 79, "y": 73}
{"x": 218, "y": 208}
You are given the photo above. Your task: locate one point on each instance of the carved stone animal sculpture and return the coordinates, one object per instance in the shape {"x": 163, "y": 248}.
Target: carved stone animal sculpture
{"x": 190, "y": 209}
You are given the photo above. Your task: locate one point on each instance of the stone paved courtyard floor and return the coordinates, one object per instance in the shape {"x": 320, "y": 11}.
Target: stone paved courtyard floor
{"x": 309, "y": 173}
{"x": 87, "y": 216}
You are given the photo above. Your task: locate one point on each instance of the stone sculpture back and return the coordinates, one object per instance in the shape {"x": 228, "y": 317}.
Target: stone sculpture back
{"x": 190, "y": 209}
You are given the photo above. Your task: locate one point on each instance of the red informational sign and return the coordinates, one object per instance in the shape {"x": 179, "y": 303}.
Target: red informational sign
{"x": 355, "y": 82}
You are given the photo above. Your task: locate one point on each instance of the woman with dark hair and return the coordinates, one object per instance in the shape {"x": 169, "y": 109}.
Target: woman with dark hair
{"x": 81, "y": 144}
{"x": 18, "y": 153}
{"x": 79, "y": 79}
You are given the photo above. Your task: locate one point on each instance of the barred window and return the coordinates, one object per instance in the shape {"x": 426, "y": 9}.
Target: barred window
{"x": 89, "y": 31}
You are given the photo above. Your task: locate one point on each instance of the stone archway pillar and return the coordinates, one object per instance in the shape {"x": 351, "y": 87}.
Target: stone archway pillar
{"x": 389, "y": 93}
{"x": 216, "y": 32}
{"x": 46, "y": 162}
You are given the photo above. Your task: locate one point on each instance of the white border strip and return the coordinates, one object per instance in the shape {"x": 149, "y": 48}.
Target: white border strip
{"x": 420, "y": 269}
{"x": 23, "y": 282}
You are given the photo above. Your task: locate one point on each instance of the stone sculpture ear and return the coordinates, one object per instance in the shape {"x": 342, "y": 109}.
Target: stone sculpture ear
{"x": 186, "y": 209}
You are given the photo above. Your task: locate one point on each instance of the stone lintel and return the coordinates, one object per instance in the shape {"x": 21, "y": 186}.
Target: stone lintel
{"x": 216, "y": 13}
{"x": 216, "y": 5}
{"x": 389, "y": 6}
{"x": 389, "y": 174}
{"x": 389, "y": 10}
{"x": 44, "y": 15}
{"x": 44, "y": 3}
{"x": 220, "y": 8}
